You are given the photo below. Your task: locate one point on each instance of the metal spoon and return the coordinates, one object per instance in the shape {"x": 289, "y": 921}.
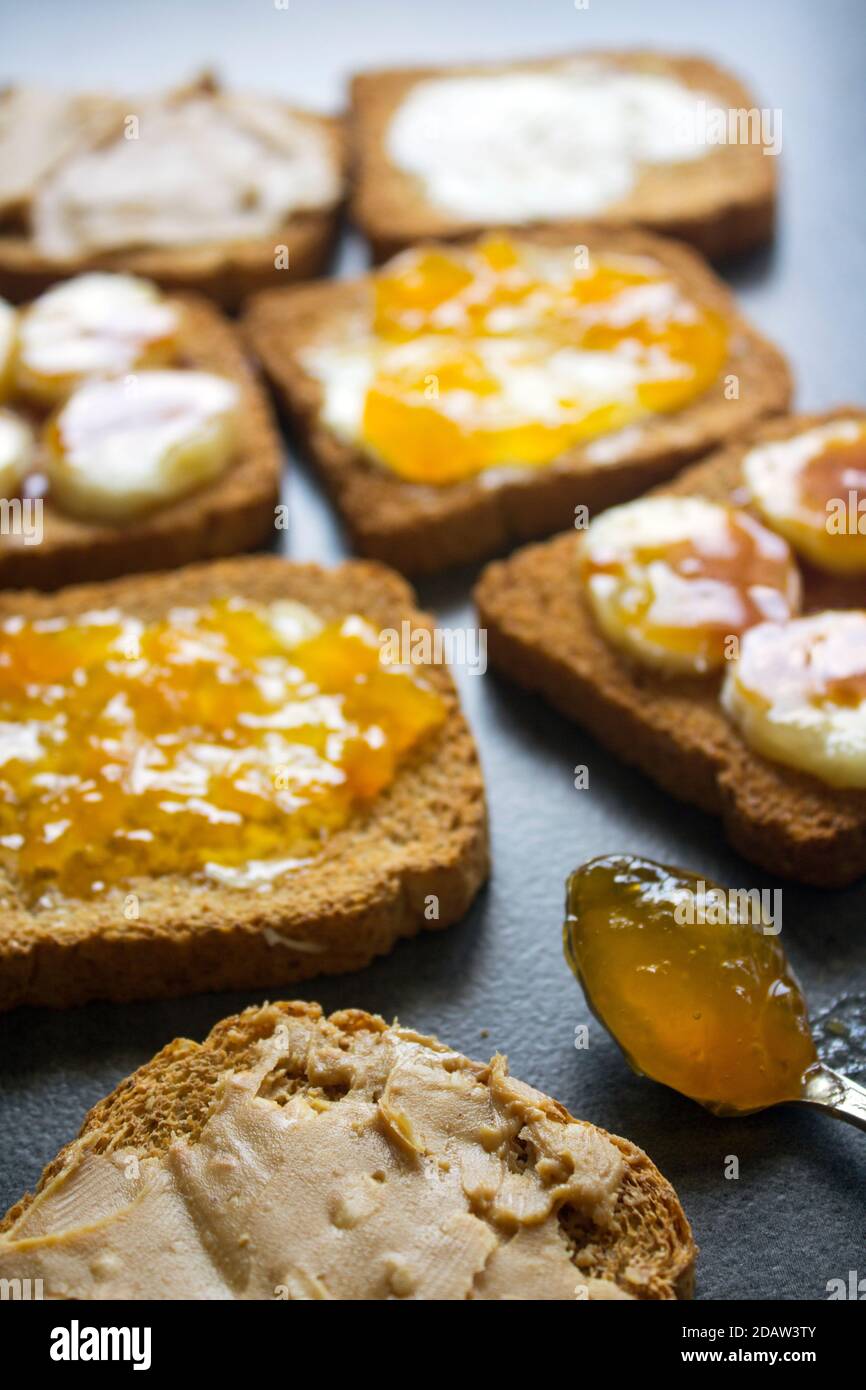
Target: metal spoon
{"x": 836, "y": 1094}
{"x": 609, "y": 898}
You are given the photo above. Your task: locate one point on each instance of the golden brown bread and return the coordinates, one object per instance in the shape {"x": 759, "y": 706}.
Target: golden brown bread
{"x": 235, "y": 512}
{"x": 723, "y": 204}
{"x": 541, "y": 634}
{"x": 425, "y": 835}
{"x": 423, "y": 528}
{"x": 226, "y": 272}
{"x": 646, "y": 1252}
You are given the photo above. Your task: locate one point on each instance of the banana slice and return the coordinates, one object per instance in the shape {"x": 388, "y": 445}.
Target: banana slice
{"x": 16, "y": 452}
{"x": 810, "y": 487}
{"x": 798, "y": 695}
{"x": 671, "y": 579}
{"x": 94, "y": 325}
{"x": 120, "y": 448}
{"x": 8, "y": 338}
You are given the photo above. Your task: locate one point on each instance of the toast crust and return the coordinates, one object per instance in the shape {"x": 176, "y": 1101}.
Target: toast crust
{"x": 647, "y": 1251}
{"x": 419, "y": 528}
{"x": 723, "y": 204}
{"x": 541, "y": 634}
{"x": 235, "y": 512}
{"x": 226, "y": 272}
{"x": 424, "y": 835}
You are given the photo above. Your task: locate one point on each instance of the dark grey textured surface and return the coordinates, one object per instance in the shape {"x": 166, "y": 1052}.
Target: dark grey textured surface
{"x": 795, "y": 1216}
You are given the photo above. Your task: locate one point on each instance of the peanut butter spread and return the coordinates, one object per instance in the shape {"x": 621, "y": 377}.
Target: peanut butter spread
{"x": 87, "y": 174}
{"x": 380, "y": 1165}
{"x": 38, "y": 129}
{"x": 202, "y": 168}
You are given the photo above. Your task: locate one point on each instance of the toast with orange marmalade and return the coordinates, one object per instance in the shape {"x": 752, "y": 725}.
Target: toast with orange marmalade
{"x": 220, "y": 779}
{"x": 467, "y": 397}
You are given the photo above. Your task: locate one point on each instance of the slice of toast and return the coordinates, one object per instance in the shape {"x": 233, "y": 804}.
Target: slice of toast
{"x": 542, "y": 635}
{"x": 423, "y": 528}
{"x": 226, "y": 272}
{"x": 426, "y": 834}
{"x": 384, "y": 1215}
{"x": 235, "y": 512}
{"x": 723, "y": 203}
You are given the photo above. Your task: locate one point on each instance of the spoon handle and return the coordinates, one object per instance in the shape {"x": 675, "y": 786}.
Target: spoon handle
{"x": 835, "y": 1093}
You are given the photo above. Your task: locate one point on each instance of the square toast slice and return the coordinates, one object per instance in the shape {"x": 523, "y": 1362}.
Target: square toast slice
{"x": 610, "y": 1228}
{"x": 542, "y": 635}
{"x": 422, "y": 528}
{"x": 723, "y": 203}
{"x": 226, "y": 272}
{"x": 425, "y": 834}
{"x": 235, "y": 512}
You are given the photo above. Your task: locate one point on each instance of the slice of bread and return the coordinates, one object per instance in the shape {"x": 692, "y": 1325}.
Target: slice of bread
{"x": 223, "y": 271}
{"x": 426, "y": 834}
{"x": 226, "y": 273}
{"x": 423, "y": 528}
{"x": 723, "y": 203}
{"x": 235, "y": 512}
{"x": 528, "y": 1204}
{"x": 541, "y": 634}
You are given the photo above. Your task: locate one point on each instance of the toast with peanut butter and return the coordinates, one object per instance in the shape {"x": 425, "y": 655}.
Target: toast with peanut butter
{"x": 234, "y": 510}
{"x": 788, "y": 811}
{"x": 225, "y": 785}
{"x": 197, "y": 188}
{"x": 413, "y": 486}
{"x": 371, "y": 1162}
{"x": 438, "y": 150}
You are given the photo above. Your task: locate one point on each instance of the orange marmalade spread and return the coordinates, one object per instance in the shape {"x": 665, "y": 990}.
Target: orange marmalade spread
{"x": 221, "y": 737}
{"x": 687, "y": 980}
{"x": 506, "y": 354}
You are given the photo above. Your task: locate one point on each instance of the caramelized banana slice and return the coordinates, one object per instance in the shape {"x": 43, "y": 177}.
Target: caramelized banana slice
{"x": 16, "y": 452}
{"x": 811, "y": 488}
{"x": 671, "y": 579}
{"x": 120, "y": 448}
{"x": 798, "y": 695}
{"x": 94, "y": 325}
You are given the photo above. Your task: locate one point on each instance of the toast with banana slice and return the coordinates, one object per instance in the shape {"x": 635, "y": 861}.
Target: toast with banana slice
{"x": 766, "y": 727}
{"x": 122, "y": 453}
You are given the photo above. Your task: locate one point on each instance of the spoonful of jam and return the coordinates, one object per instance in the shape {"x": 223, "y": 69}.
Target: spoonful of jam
{"x": 692, "y": 982}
